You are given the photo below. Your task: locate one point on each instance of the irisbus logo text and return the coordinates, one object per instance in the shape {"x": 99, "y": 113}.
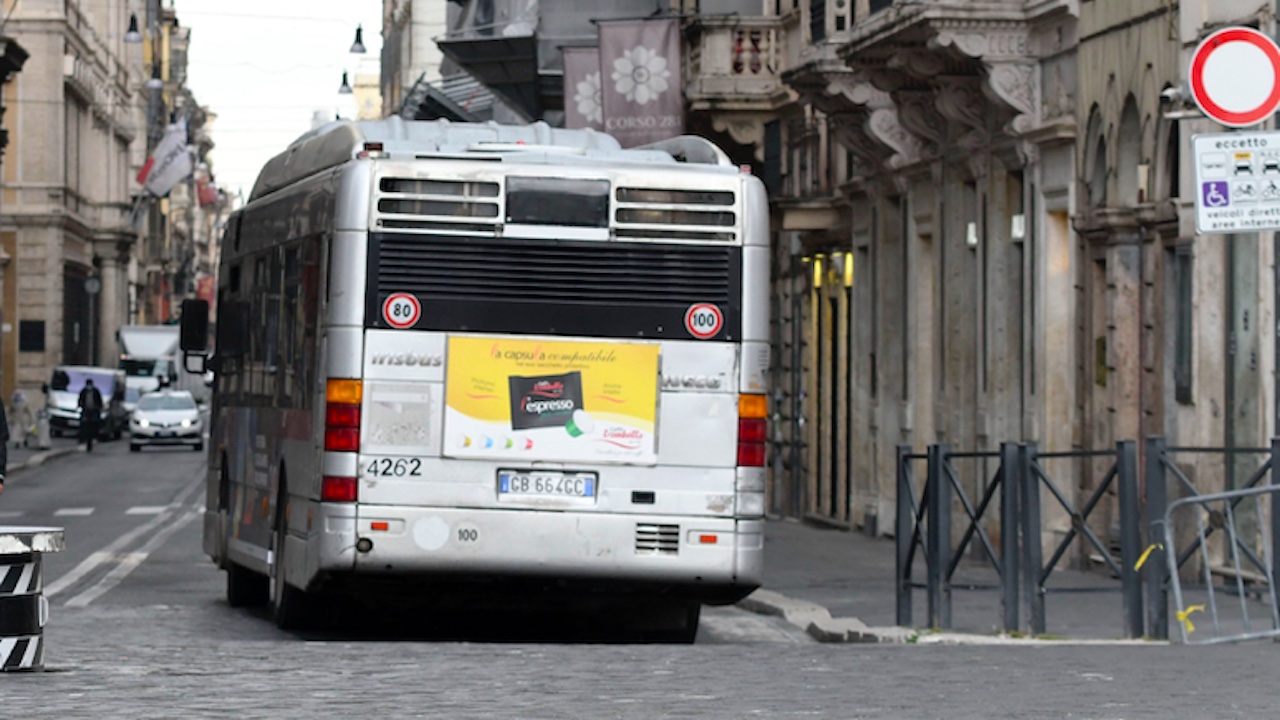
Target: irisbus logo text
{"x": 675, "y": 382}
{"x": 407, "y": 359}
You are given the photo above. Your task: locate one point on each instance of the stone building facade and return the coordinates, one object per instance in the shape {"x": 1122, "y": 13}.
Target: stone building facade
{"x": 983, "y": 233}
{"x": 64, "y": 218}
{"x": 89, "y": 251}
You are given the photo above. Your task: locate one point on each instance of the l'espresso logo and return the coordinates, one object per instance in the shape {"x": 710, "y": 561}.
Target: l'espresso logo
{"x": 545, "y": 401}
{"x": 407, "y": 359}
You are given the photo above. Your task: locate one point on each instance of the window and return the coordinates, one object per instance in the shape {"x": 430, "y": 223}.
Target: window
{"x": 31, "y": 335}
{"x": 817, "y": 20}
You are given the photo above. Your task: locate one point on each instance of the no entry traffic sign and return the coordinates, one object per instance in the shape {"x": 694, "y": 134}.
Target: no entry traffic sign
{"x": 1235, "y": 76}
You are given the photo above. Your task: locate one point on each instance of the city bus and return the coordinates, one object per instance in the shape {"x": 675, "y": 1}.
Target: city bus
{"x": 497, "y": 363}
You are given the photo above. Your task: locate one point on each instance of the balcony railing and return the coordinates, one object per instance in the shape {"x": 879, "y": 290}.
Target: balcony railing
{"x": 735, "y": 60}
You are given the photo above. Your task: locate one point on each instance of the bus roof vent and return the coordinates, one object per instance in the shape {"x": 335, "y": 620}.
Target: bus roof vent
{"x": 675, "y": 214}
{"x": 437, "y": 205}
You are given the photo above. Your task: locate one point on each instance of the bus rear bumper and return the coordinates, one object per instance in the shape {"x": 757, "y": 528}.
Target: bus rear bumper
{"x": 724, "y": 556}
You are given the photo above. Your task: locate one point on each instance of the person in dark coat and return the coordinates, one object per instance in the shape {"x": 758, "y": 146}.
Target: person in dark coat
{"x": 90, "y": 404}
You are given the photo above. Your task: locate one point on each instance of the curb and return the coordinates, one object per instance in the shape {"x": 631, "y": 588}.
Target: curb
{"x": 42, "y": 457}
{"x": 817, "y": 622}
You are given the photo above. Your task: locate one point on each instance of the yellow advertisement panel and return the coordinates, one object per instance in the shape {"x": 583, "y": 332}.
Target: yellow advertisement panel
{"x": 531, "y": 399}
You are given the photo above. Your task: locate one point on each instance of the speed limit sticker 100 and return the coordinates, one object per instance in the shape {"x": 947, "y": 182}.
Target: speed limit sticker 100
{"x": 401, "y": 310}
{"x": 703, "y": 320}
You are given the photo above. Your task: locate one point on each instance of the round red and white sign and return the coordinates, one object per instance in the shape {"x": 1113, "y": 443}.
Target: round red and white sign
{"x": 401, "y": 310}
{"x": 703, "y": 320}
{"x": 1235, "y": 76}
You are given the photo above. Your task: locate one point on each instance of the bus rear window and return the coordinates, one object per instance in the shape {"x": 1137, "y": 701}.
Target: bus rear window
{"x": 557, "y": 201}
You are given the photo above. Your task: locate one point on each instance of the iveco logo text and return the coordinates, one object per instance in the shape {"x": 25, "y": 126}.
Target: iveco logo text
{"x": 690, "y": 381}
{"x": 410, "y": 359}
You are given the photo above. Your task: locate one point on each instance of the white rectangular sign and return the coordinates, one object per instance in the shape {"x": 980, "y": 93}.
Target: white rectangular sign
{"x": 1237, "y": 181}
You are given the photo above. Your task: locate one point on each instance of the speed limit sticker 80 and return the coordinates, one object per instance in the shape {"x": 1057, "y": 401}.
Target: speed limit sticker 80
{"x": 401, "y": 310}
{"x": 703, "y": 320}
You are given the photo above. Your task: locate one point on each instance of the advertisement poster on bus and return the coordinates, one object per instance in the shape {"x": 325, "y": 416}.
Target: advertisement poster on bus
{"x": 534, "y": 399}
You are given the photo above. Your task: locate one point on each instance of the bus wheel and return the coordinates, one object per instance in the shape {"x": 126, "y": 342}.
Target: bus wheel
{"x": 675, "y": 623}
{"x": 246, "y": 588}
{"x": 289, "y": 606}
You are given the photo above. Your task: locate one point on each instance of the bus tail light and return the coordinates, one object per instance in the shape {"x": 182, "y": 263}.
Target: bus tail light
{"x": 338, "y": 489}
{"x": 342, "y": 415}
{"x": 752, "y": 430}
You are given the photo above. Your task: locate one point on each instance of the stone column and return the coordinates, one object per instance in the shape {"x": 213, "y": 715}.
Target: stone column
{"x": 108, "y": 304}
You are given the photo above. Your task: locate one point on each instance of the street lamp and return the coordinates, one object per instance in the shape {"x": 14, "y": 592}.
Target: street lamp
{"x": 133, "y": 36}
{"x": 345, "y": 87}
{"x": 156, "y": 82}
{"x": 357, "y": 47}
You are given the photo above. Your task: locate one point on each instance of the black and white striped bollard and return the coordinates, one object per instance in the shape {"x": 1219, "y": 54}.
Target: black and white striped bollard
{"x": 23, "y": 608}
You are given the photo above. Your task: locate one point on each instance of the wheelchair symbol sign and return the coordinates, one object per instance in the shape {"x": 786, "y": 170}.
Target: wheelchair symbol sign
{"x": 1215, "y": 194}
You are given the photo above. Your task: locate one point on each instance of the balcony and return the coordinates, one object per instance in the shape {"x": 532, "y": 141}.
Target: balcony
{"x": 735, "y": 64}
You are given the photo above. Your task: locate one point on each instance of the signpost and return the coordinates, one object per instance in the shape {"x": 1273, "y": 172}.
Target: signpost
{"x": 1237, "y": 181}
{"x": 1235, "y": 76}
{"x": 1235, "y": 79}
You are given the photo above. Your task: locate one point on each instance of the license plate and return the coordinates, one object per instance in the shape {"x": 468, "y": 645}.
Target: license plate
{"x": 546, "y": 484}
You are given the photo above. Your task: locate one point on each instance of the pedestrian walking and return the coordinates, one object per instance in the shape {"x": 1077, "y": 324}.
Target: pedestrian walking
{"x": 90, "y": 404}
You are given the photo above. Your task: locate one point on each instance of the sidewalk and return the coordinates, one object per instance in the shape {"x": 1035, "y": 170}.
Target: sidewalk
{"x": 22, "y": 459}
{"x": 839, "y": 586}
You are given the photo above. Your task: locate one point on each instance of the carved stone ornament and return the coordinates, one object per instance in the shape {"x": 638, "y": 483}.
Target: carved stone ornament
{"x": 887, "y": 128}
{"x": 960, "y": 100}
{"x": 986, "y": 41}
{"x": 850, "y": 130}
{"x": 856, "y": 89}
{"x": 1016, "y": 85}
{"x": 919, "y": 115}
{"x": 1013, "y": 78}
{"x": 920, "y": 64}
{"x": 1028, "y": 153}
{"x": 749, "y": 132}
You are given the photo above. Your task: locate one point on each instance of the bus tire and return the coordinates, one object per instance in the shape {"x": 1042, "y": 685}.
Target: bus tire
{"x": 290, "y": 606}
{"x": 246, "y": 588}
{"x": 676, "y": 624}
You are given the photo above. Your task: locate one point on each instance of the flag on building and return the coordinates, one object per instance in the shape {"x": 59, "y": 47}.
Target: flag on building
{"x": 206, "y": 192}
{"x": 582, "y": 88}
{"x": 170, "y": 164}
{"x": 641, "y": 84}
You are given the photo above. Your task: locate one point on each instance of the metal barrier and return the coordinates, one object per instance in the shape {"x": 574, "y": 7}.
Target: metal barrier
{"x": 23, "y": 607}
{"x": 1165, "y": 560}
{"x": 924, "y": 516}
{"x": 1123, "y": 473}
{"x": 1259, "y": 573}
{"x": 923, "y": 526}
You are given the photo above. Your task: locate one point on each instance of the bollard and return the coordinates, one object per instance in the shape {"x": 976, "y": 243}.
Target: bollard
{"x": 43, "y": 441}
{"x": 23, "y": 607}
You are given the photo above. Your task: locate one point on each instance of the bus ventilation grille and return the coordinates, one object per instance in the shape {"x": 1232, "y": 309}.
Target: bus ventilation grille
{"x": 438, "y": 205}
{"x": 657, "y": 539}
{"x": 673, "y": 214}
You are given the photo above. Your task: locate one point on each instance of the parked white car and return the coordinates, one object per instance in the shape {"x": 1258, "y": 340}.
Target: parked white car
{"x": 167, "y": 417}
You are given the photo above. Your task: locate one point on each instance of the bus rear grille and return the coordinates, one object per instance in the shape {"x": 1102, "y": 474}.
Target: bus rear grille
{"x": 657, "y": 539}
{"x": 655, "y": 213}
{"x": 556, "y": 271}
{"x": 439, "y": 205}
